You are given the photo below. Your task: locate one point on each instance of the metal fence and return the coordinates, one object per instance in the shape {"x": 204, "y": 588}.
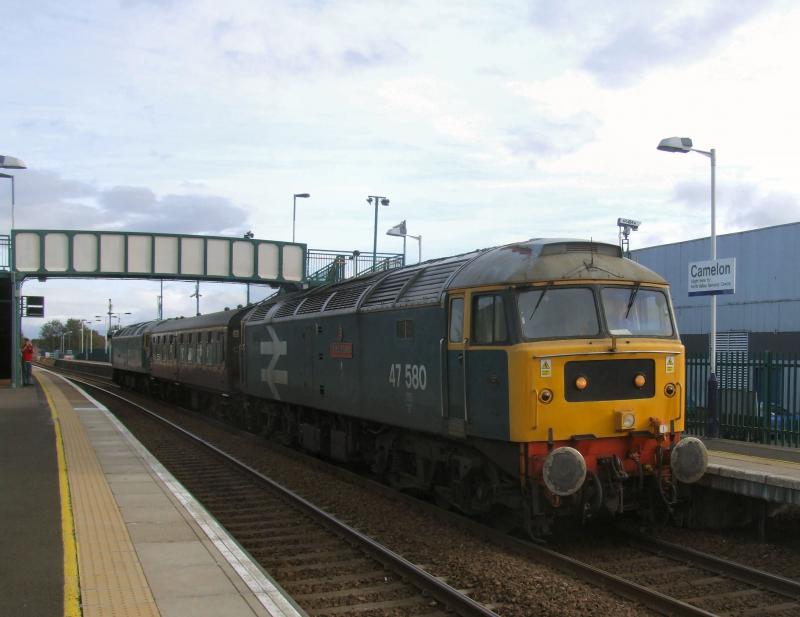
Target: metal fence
{"x": 332, "y": 266}
{"x": 5, "y": 253}
{"x": 758, "y": 397}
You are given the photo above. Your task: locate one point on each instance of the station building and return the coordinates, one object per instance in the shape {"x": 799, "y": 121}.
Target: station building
{"x": 764, "y": 312}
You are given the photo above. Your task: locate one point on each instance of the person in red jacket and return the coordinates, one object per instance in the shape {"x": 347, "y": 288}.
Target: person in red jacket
{"x": 27, "y": 359}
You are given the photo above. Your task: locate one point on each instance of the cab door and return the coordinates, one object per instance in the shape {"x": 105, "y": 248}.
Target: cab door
{"x": 486, "y": 372}
{"x": 456, "y": 407}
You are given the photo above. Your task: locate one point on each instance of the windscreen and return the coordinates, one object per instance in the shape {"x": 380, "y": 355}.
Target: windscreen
{"x": 557, "y": 312}
{"x": 635, "y": 311}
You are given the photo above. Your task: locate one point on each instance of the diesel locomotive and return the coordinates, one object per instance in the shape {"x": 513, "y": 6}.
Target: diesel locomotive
{"x": 531, "y": 381}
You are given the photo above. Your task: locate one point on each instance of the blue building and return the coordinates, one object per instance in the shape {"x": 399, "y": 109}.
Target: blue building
{"x": 763, "y": 314}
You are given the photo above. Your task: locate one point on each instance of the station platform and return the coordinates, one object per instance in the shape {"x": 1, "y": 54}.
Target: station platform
{"x": 95, "y": 526}
{"x": 769, "y": 473}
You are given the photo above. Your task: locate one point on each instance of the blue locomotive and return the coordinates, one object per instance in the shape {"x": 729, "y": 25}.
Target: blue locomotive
{"x": 538, "y": 379}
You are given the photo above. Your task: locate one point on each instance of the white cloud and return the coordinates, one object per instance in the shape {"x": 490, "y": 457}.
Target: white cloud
{"x": 483, "y": 122}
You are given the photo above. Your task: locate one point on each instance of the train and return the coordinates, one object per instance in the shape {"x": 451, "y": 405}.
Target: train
{"x": 528, "y": 383}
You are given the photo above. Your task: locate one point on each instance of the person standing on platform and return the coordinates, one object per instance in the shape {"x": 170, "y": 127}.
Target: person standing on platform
{"x": 27, "y": 359}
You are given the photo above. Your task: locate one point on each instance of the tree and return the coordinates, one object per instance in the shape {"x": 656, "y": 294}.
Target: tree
{"x": 50, "y": 334}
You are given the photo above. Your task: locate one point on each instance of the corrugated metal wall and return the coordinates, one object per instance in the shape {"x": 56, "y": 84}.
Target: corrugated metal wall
{"x": 767, "y": 297}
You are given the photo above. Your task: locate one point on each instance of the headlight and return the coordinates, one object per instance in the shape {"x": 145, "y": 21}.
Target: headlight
{"x": 639, "y": 381}
{"x": 624, "y": 420}
{"x": 581, "y": 383}
{"x": 546, "y": 396}
{"x": 669, "y": 390}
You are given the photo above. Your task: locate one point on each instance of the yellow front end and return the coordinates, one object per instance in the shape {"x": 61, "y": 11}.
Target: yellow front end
{"x": 553, "y": 397}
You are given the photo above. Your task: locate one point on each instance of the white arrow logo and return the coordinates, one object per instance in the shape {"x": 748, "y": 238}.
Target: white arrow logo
{"x": 276, "y": 348}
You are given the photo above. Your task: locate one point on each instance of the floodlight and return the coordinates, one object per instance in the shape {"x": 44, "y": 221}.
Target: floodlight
{"x": 675, "y": 144}
{"x": 11, "y": 162}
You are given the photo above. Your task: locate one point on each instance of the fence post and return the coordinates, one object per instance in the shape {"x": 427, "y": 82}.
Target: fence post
{"x": 768, "y": 403}
{"x": 712, "y": 420}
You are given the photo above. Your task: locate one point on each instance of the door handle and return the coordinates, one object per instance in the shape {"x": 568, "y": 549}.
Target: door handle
{"x": 460, "y": 358}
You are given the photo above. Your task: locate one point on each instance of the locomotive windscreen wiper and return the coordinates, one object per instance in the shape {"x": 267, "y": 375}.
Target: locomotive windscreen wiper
{"x": 539, "y": 301}
{"x": 632, "y": 297}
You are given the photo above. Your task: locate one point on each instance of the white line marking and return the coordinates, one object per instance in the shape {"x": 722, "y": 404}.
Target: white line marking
{"x": 255, "y": 578}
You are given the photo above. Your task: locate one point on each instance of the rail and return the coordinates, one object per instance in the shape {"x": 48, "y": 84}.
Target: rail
{"x": 451, "y": 599}
{"x": 332, "y": 266}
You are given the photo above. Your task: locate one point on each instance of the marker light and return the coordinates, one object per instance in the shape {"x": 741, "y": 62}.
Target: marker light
{"x": 639, "y": 381}
{"x": 581, "y": 383}
{"x": 546, "y": 395}
{"x": 624, "y": 420}
{"x": 669, "y": 390}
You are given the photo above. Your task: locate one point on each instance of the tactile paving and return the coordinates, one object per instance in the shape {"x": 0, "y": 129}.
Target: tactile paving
{"x": 112, "y": 582}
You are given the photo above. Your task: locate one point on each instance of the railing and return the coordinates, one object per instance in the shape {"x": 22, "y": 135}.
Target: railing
{"x": 758, "y": 397}
{"x": 332, "y": 266}
{"x": 5, "y": 253}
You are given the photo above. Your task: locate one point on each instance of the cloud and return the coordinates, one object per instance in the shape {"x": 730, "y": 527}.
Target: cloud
{"x": 741, "y": 206}
{"x": 625, "y": 40}
{"x": 48, "y": 201}
{"x": 42, "y": 188}
{"x": 265, "y": 46}
{"x": 550, "y": 138}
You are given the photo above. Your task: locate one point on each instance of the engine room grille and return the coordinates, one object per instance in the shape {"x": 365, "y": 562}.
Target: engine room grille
{"x": 427, "y": 289}
{"x": 347, "y": 297}
{"x": 313, "y": 304}
{"x": 287, "y": 308}
{"x": 387, "y": 290}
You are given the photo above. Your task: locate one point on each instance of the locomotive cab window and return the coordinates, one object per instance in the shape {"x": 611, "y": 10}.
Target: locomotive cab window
{"x": 489, "y": 320}
{"x": 636, "y": 311}
{"x": 557, "y": 312}
{"x": 457, "y": 320}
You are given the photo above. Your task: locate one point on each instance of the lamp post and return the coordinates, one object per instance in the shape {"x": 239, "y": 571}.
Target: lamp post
{"x": 87, "y": 348}
{"x": 383, "y": 201}
{"x": 294, "y": 208}
{"x": 400, "y": 230}
{"x": 683, "y": 145}
{"x": 197, "y": 295}
{"x": 249, "y": 236}
{"x": 11, "y": 162}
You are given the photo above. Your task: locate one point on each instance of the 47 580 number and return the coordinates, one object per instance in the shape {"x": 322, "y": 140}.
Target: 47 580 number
{"x": 412, "y": 376}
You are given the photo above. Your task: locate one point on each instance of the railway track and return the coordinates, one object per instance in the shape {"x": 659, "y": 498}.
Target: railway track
{"x": 713, "y": 585}
{"x": 668, "y": 579}
{"x": 328, "y": 567}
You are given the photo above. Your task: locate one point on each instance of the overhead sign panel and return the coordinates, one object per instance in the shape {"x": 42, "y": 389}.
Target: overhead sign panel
{"x": 711, "y": 278}
{"x": 104, "y": 254}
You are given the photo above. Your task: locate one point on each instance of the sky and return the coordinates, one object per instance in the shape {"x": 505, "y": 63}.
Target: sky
{"x": 483, "y": 122}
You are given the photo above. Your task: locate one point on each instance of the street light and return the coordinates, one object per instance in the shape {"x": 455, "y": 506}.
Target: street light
{"x": 12, "y": 162}
{"x": 249, "y": 236}
{"x": 90, "y": 346}
{"x": 683, "y": 145}
{"x": 400, "y": 230}
{"x": 383, "y": 201}
{"x": 294, "y": 208}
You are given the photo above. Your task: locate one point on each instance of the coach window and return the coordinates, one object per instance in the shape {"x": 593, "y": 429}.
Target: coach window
{"x": 457, "y": 320}
{"x": 489, "y": 320}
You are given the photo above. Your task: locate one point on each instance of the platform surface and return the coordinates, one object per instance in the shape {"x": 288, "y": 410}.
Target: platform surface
{"x": 142, "y": 546}
{"x": 31, "y": 557}
{"x": 771, "y": 473}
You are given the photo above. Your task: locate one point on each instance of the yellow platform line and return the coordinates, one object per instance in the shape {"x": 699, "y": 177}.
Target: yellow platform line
{"x": 112, "y": 582}
{"x": 735, "y": 456}
{"x": 72, "y": 606}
